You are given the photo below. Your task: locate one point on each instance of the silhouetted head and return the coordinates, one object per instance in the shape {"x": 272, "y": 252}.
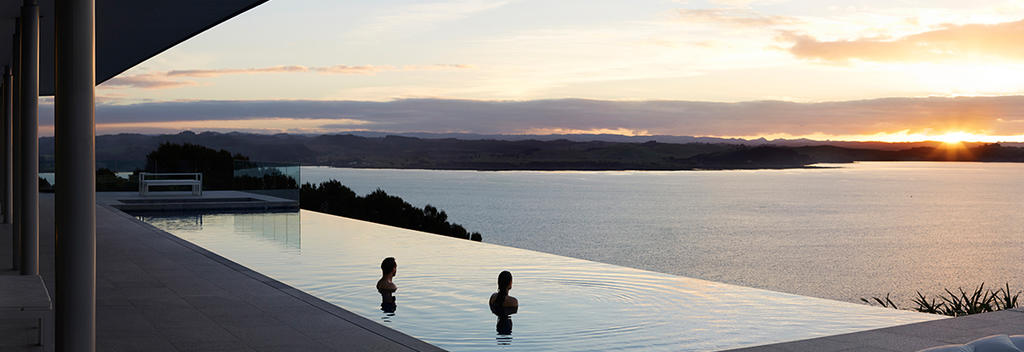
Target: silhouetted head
{"x": 504, "y": 281}
{"x": 388, "y": 266}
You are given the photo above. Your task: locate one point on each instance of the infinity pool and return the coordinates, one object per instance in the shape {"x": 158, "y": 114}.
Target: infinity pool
{"x": 566, "y": 304}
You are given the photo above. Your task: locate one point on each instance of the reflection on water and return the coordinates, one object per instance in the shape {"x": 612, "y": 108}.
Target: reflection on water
{"x": 182, "y": 222}
{"x": 279, "y": 227}
{"x": 388, "y": 306}
{"x": 504, "y": 328}
{"x": 569, "y": 304}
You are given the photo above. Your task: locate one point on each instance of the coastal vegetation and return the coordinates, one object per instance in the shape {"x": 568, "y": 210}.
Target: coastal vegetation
{"x": 221, "y": 168}
{"x": 217, "y": 166}
{"x": 332, "y": 197}
{"x": 45, "y": 186}
{"x": 980, "y": 300}
{"x": 108, "y": 181}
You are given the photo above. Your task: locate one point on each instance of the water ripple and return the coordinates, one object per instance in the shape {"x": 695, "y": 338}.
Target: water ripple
{"x": 566, "y": 304}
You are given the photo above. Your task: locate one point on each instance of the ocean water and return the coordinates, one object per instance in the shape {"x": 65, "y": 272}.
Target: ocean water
{"x": 50, "y": 177}
{"x": 566, "y": 304}
{"x": 843, "y": 232}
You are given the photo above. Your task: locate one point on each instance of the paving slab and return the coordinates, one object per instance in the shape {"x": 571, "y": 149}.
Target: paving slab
{"x": 910, "y": 337}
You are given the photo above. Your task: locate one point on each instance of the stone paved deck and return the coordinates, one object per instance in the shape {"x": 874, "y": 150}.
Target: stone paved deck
{"x": 156, "y": 292}
{"x": 911, "y": 337}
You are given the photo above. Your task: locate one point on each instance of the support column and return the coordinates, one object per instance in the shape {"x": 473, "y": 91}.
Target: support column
{"x": 75, "y": 212}
{"x": 29, "y": 207}
{"x": 7, "y": 155}
{"x": 16, "y": 135}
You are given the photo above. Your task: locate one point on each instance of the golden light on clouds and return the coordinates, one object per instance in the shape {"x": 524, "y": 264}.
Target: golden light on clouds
{"x": 945, "y": 44}
{"x": 904, "y": 136}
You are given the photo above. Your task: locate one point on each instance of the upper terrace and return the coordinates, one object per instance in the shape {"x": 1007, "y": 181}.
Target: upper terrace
{"x": 64, "y": 48}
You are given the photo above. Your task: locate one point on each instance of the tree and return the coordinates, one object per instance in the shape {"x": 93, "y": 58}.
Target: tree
{"x": 334, "y": 198}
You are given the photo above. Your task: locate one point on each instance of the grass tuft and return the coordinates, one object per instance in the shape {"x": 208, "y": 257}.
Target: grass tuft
{"x": 960, "y": 303}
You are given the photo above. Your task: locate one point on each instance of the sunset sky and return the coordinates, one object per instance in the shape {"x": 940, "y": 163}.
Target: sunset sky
{"x": 879, "y": 70}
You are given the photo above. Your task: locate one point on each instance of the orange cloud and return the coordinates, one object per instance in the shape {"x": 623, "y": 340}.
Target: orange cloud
{"x": 234, "y": 71}
{"x": 949, "y": 43}
{"x": 146, "y": 81}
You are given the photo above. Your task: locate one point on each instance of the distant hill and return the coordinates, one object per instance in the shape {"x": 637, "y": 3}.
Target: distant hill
{"x": 665, "y": 139}
{"x": 125, "y": 152}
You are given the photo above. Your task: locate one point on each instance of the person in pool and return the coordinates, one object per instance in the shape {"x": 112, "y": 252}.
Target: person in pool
{"x": 501, "y": 303}
{"x": 385, "y": 286}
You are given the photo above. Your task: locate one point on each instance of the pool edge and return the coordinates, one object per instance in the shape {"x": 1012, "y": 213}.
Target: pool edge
{"x": 357, "y": 320}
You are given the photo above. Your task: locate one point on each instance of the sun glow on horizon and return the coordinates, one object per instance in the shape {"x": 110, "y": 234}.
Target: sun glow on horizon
{"x": 904, "y": 136}
{"x": 956, "y": 137}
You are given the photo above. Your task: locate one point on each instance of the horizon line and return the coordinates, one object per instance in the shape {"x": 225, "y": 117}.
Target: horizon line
{"x": 526, "y": 136}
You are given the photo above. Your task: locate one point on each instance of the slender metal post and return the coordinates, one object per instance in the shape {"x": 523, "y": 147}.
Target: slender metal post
{"x": 4, "y": 146}
{"x": 29, "y": 138}
{"x": 16, "y": 134}
{"x": 8, "y": 145}
{"x": 74, "y": 138}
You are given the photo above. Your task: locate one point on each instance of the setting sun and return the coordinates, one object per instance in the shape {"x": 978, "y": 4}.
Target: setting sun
{"x": 957, "y": 137}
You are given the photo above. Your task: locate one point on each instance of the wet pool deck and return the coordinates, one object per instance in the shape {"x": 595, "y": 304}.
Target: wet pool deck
{"x": 156, "y": 292}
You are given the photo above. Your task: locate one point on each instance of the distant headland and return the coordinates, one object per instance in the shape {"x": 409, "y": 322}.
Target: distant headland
{"x": 121, "y": 152}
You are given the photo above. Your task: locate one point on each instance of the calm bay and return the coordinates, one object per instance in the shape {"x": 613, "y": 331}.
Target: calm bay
{"x": 843, "y": 231}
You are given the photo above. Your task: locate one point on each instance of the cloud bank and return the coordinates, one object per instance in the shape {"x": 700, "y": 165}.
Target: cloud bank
{"x": 992, "y": 115}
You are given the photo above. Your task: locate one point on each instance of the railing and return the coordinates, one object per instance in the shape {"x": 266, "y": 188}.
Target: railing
{"x": 269, "y": 178}
{"x": 195, "y": 181}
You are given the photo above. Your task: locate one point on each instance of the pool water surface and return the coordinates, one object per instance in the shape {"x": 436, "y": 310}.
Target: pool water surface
{"x": 566, "y": 304}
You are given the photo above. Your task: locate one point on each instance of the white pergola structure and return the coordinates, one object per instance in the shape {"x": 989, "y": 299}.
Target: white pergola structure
{"x": 64, "y": 48}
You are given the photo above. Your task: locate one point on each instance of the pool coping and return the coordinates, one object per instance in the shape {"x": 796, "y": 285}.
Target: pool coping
{"x": 209, "y": 200}
{"x": 339, "y": 312}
